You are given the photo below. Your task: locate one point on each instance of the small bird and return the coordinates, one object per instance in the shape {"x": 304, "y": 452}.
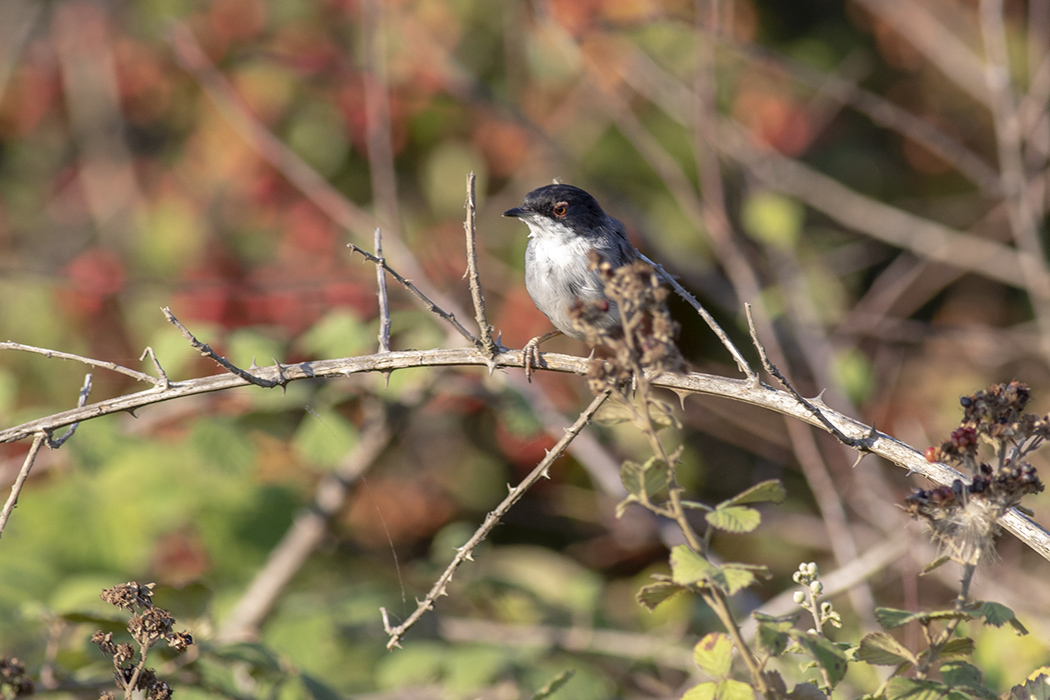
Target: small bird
{"x": 565, "y": 224}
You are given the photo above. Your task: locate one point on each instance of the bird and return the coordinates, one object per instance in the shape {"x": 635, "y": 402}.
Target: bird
{"x": 565, "y": 224}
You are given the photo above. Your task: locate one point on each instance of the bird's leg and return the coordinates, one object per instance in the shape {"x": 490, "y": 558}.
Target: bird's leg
{"x": 530, "y": 354}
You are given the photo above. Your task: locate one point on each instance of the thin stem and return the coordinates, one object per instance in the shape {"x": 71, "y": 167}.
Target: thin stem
{"x": 488, "y": 345}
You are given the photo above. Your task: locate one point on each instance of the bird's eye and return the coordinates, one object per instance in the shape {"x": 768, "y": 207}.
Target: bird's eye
{"x": 561, "y": 209}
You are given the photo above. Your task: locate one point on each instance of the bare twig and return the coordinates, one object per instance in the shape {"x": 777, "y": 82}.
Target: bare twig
{"x": 488, "y": 345}
{"x": 164, "y": 382}
{"x": 741, "y": 363}
{"x": 384, "y": 301}
{"x": 858, "y": 444}
{"x": 1007, "y": 126}
{"x": 104, "y": 364}
{"x": 465, "y": 553}
{"x": 85, "y": 391}
{"x": 206, "y": 350}
{"x": 23, "y": 474}
{"x": 763, "y": 396}
{"x": 417, "y": 293}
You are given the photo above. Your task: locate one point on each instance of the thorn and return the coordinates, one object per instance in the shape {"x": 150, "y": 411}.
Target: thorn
{"x": 819, "y": 398}
{"x": 469, "y": 556}
{"x": 861, "y": 455}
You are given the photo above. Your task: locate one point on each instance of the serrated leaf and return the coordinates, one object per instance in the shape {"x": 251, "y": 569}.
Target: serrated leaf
{"x": 828, "y": 656}
{"x": 957, "y": 647}
{"x": 734, "y": 518}
{"x": 713, "y": 655}
{"x": 900, "y": 688}
{"x": 770, "y": 491}
{"x": 657, "y": 592}
{"x": 997, "y": 615}
{"x": 554, "y": 685}
{"x": 645, "y": 479}
{"x": 689, "y": 568}
{"x": 881, "y": 649}
{"x": 1036, "y": 687}
{"x": 736, "y": 577}
{"x": 773, "y": 632}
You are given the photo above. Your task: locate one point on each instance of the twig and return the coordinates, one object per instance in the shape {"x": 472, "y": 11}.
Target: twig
{"x": 20, "y": 481}
{"x": 206, "y": 350}
{"x": 384, "y": 302}
{"x": 423, "y": 298}
{"x": 488, "y": 345}
{"x": 164, "y": 382}
{"x": 885, "y": 446}
{"x": 465, "y": 553}
{"x": 682, "y": 292}
{"x": 42, "y": 437}
{"x": 1007, "y": 126}
{"x": 85, "y": 391}
{"x": 862, "y": 444}
{"x": 134, "y": 374}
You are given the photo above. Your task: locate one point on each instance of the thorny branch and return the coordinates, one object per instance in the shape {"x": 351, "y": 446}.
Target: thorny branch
{"x": 485, "y": 330}
{"x": 466, "y": 552}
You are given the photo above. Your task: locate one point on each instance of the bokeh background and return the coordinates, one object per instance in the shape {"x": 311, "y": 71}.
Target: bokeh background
{"x": 871, "y": 175}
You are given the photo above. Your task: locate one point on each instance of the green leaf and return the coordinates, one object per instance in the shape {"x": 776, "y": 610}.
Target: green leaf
{"x": 1037, "y": 687}
{"x": 655, "y": 593}
{"x": 891, "y": 618}
{"x": 734, "y": 690}
{"x": 997, "y": 614}
{"x": 734, "y": 518}
{"x": 770, "y": 491}
{"x": 773, "y": 632}
{"x": 688, "y": 568}
{"x": 713, "y": 655}
{"x": 726, "y": 690}
{"x": 881, "y": 649}
{"x": 957, "y": 647}
{"x": 967, "y": 676}
{"x": 648, "y": 479}
{"x": 900, "y": 688}
{"x": 554, "y": 685}
{"x": 828, "y": 656}
{"x": 736, "y": 577}
{"x": 701, "y": 691}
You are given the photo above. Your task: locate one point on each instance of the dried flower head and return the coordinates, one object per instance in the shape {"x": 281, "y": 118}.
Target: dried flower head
{"x": 645, "y": 337}
{"x": 13, "y": 675}
{"x": 963, "y": 517}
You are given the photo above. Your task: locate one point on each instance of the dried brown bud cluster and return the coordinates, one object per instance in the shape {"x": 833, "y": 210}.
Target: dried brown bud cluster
{"x": 963, "y": 516}
{"x": 645, "y": 338}
{"x": 13, "y": 676}
{"x": 147, "y": 626}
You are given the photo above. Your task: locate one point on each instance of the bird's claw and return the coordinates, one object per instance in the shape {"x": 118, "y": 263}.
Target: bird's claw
{"x": 530, "y": 357}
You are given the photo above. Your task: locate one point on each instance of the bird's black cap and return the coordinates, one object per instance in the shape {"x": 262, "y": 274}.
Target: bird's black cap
{"x": 567, "y": 203}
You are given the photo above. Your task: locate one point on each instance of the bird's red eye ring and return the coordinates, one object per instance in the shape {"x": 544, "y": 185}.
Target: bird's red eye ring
{"x": 561, "y": 209}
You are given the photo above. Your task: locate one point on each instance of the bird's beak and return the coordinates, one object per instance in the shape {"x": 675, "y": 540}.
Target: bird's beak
{"x": 516, "y": 212}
